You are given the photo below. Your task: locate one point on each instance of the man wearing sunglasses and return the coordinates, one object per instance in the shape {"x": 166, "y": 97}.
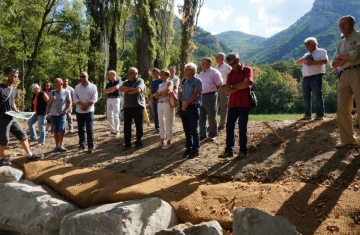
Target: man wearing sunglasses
{"x": 9, "y": 124}
{"x": 314, "y": 63}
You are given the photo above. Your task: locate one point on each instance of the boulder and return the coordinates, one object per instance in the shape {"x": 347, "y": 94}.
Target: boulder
{"x": 10, "y": 174}
{"x": 30, "y": 209}
{"x": 205, "y": 228}
{"x": 146, "y": 216}
{"x": 250, "y": 221}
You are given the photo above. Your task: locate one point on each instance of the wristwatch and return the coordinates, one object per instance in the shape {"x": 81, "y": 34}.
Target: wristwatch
{"x": 232, "y": 86}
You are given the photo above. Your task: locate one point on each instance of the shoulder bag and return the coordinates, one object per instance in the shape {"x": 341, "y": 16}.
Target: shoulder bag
{"x": 251, "y": 95}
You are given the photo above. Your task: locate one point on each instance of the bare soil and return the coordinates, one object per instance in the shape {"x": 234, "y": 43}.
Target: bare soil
{"x": 308, "y": 153}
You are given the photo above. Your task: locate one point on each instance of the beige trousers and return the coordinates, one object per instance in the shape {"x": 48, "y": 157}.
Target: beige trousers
{"x": 349, "y": 87}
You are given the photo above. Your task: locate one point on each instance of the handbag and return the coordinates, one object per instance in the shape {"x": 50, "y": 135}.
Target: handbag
{"x": 251, "y": 95}
{"x": 174, "y": 101}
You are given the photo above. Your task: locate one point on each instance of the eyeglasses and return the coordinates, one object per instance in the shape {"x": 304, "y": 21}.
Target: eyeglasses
{"x": 47, "y": 85}
{"x": 307, "y": 43}
{"x": 231, "y": 64}
{"x": 82, "y": 76}
{"x": 187, "y": 69}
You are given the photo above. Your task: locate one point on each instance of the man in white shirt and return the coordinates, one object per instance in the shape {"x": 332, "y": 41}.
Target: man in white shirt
{"x": 212, "y": 82}
{"x": 223, "y": 99}
{"x": 85, "y": 96}
{"x": 314, "y": 62}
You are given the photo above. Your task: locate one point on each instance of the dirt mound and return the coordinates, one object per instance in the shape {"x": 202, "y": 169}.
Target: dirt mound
{"x": 312, "y": 208}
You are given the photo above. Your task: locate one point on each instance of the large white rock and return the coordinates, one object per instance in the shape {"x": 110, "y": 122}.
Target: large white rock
{"x": 10, "y": 174}
{"x": 30, "y": 209}
{"x": 145, "y": 217}
{"x": 205, "y": 228}
{"x": 250, "y": 221}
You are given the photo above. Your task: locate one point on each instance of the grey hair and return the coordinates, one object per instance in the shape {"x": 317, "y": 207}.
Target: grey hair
{"x": 350, "y": 18}
{"x": 134, "y": 69}
{"x": 87, "y": 75}
{"x": 222, "y": 54}
{"x": 192, "y": 66}
{"x": 208, "y": 59}
{"x": 232, "y": 55}
{"x": 34, "y": 86}
{"x": 112, "y": 72}
{"x": 311, "y": 39}
{"x": 172, "y": 69}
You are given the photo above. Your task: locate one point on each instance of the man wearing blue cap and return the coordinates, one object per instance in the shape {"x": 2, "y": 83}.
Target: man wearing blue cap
{"x": 9, "y": 124}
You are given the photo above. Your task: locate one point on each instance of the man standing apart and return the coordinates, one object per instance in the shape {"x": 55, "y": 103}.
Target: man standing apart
{"x": 154, "y": 102}
{"x": 134, "y": 99}
{"x": 60, "y": 104}
{"x": 9, "y": 124}
{"x": 174, "y": 79}
{"x": 85, "y": 96}
{"x": 314, "y": 62}
{"x": 68, "y": 115}
{"x": 347, "y": 56}
{"x": 212, "y": 82}
{"x": 237, "y": 87}
{"x": 190, "y": 110}
{"x": 113, "y": 103}
{"x": 223, "y": 99}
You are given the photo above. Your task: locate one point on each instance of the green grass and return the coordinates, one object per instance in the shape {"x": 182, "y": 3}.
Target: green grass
{"x": 272, "y": 117}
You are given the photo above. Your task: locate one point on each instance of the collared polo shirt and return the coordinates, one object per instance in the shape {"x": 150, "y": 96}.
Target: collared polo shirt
{"x": 224, "y": 69}
{"x": 345, "y": 45}
{"x": 112, "y": 84}
{"x": 190, "y": 87}
{"x": 239, "y": 98}
{"x": 317, "y": 55}
{"x": 136, "y": 100}
{"x": 155, "y": 85}
{"x": 85, "y": 94}
{"x": 211, "y": 78}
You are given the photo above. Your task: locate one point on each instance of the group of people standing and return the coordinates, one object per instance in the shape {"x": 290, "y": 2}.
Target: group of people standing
{"x": 226, "y": 86}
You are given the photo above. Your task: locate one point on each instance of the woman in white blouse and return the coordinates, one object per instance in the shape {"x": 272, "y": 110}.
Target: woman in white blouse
{"x": 165, "y": 112}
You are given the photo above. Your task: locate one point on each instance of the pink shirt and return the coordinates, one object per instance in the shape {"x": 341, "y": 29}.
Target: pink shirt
{"x": 211, "y": 78}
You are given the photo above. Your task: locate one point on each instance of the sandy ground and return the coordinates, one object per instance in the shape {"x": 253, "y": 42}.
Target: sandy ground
{"x": 308, "y": 153}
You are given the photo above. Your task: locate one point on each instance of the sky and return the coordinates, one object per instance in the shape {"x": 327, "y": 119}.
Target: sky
{"x": 258, "y": 17}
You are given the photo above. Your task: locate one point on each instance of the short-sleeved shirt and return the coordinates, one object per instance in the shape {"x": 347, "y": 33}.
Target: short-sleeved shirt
{"x": 59, "y": 105}
{"x": 155, "y": 85}
{"x": 4, "y": 93}
{"x": 136, "y": 100}
{"x": 224, "y": 69}
{"x": 317, "y": 55}
{"x": 112, "y": 84}
{"x": 176, "y": 82}
{"x": 211, "y": 78}
{"x": 239, "y": 98}
{"x": 190, "y": 87}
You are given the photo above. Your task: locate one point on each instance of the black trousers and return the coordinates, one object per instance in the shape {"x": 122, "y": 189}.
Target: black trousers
{"x": 138, "y": 115}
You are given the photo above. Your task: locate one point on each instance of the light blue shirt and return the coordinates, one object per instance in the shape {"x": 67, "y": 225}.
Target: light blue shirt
{"x": 190, "y": 87}
{"x": 59, "y": 105}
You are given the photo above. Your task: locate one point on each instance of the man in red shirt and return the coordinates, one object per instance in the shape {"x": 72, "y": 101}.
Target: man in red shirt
{"x": 237, "y": 87}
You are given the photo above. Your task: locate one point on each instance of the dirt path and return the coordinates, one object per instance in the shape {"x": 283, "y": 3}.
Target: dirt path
{"x": 308, "y": 153}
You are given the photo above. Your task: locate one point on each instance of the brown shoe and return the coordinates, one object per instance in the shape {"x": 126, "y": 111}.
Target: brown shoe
{"x": 305, "y": 118}
{"x": 319, "y": 118}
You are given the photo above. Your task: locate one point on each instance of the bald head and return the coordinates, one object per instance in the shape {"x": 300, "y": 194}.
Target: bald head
{"x": 84, "y": 77}
{"x": 58, "y": 82}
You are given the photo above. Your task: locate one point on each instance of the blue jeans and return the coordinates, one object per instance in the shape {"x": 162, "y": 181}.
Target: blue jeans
{"x": 233, "y": 115}
{"x": 314, "y": 85}
{"x": 190, "y": 119}
{"x": 58, "y": 123}
{"x": 138, "y": 115}
{"x": 120, "y": 110}
{"x": 85, "y": 119}
{"x": 155, "y": 113}
{"x": 41, "y": 124}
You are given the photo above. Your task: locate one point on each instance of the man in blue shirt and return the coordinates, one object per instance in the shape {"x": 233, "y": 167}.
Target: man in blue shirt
{"x": 154, "y": 102}
{"x": 190, "y": 111}
{"x": 113, "y": 103}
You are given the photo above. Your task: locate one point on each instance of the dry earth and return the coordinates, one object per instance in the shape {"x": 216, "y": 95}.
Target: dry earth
{"x": 308, "y": 154}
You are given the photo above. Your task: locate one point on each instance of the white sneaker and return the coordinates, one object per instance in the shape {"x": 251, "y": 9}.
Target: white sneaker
{"x": 343, "y": 144}
{"x": 168, "y": 146}
{"x": 160, "y": 145}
